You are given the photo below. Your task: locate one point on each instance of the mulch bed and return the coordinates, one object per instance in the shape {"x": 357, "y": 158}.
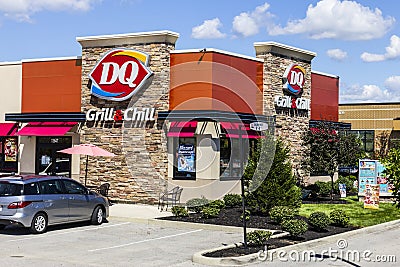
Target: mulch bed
{"x": 231, "y": 217}
{"x": 279, "y": 242}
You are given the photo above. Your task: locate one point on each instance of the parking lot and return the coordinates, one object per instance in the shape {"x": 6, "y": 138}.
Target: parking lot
{"x": 116, "y": 243}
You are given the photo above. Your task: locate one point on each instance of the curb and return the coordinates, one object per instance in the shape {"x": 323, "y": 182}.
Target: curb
{"x": 252, "y": 258}
{"x": 224, "y": 261}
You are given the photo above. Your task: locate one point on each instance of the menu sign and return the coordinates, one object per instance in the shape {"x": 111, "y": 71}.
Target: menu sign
{"x": 371, "y": 199}
{"x": 371, "y": 172}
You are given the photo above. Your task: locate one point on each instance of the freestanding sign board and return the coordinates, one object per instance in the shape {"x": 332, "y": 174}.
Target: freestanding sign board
{"x": 371, "y": 172}
{"x": 371, "y": 199}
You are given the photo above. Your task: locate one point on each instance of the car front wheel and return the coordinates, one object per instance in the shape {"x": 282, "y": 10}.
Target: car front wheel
{"x": 39, "y": 224}
{"x": 97, "y": 216}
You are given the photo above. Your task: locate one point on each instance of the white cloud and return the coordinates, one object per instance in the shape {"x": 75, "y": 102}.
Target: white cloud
{"x": 393, "y": 83}
{"x": 208, "y": 30}
{"x": 392, "y": 52}
{"x": 248, "y": 23}
{"x": 337, "y": 54}
{"x": 22, "y": 10}
{"x": 367, "y": 94}
{"x": 335, "y": 19}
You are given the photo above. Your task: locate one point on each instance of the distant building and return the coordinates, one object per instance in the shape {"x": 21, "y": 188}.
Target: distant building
{"x": 374, "y": 123}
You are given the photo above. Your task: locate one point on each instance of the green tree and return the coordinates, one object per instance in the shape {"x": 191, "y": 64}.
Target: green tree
{"x": 328, "y": 148}
{"x": 278, "y": 186}
{"x": 392, "y": 170}
{"x": 350, "y": 149}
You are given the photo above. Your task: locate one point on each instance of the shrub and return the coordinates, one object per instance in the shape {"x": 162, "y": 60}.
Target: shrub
{"x": 248, "y": 213}
{"x": 281, "y": 213}
{"x": 348, "y": 181}
{"x": 258, "y": 237}
{"x": 232, "y": 200}
{"x": 323, "y": 188}
{"x": 277, "y": 187}
{"x": 197, "y": 204}
{"x": 219, "y": 204}
{"x": 339, "y": 218}
{"x": 179, "y": 211}
{"x": 209, "y": 212}
{"x": 319, "y": 220}
{"x": 295, "y": 227}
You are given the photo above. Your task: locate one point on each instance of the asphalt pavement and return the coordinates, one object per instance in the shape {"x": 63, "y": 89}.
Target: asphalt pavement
{"x": 133, "y": 237}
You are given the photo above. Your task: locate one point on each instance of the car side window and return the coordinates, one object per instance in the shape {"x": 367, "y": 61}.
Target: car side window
{"x": 51, "y": 187}
{"x": 31, "y": 189}
{"x": 74, "y": 188}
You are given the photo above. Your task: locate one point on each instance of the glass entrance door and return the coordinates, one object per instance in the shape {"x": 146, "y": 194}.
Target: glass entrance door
{"x": 48, "y": 160}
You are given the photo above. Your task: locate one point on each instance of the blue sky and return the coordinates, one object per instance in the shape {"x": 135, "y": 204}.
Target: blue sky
{"x": 357, "y": 40}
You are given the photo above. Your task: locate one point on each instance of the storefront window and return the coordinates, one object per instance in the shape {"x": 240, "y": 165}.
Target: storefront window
{"x": 367, "y": 139}
{"x": 234, "y": 153}
{"x": 48, "y": 160}
{"x": 185, "y": 158}
{"x": 8, "y": 154}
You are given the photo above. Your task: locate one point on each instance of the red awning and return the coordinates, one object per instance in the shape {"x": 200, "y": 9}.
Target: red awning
{"x": 8, "y": 129}
{"x": 237, "y": 130}
{"x": 182, "y": 129}
{"x": 46, "y": 128}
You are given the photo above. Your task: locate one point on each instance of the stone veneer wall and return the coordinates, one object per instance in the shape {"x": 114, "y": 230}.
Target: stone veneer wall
{"x": 138, "y": 172}
{"x": 290, "y": 125}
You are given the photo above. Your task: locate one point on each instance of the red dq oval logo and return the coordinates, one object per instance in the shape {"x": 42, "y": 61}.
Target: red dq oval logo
{"x": 293, "y": 79}
{"x": 120, "y": 74}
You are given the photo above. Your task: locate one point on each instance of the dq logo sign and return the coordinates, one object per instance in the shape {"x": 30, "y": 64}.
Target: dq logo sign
{"x": 120, "y": 74}
{"x": 293, "y": 79}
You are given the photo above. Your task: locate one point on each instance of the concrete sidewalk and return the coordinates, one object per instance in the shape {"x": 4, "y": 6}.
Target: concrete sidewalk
{"x": 148, "y": 214}
{"x": 137, "y": 211}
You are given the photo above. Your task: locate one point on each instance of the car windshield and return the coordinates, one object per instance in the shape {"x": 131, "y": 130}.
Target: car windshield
{"x": 10, "y": 189}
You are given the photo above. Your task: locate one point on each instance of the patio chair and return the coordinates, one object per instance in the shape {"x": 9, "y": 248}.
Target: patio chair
{"x": 170, "y": 197}
{"x": 103, "y": 190}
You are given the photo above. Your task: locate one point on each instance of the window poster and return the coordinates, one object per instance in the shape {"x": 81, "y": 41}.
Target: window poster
{"x": 10, "y": 149}
{"x": 186, "y": 158}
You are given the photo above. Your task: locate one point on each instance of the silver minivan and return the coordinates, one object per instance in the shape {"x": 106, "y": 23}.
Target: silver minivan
{"x": 37, "y": 201}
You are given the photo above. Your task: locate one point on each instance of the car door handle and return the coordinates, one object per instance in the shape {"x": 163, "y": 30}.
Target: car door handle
{"x": 71, "y": 198}
{"x": 63, "y": 198}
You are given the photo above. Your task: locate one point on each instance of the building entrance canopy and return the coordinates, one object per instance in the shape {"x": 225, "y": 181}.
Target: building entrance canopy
{"x": 233, "y": 125}
{"x": 46, "y": 128}
{"x": 8, "y": 129}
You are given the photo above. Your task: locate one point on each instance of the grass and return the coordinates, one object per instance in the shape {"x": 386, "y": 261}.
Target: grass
{"x": 358, "y": 215}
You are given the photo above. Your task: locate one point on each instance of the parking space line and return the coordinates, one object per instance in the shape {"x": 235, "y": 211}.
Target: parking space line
{"x": 146, "y": 240}
{"x": 68, "y": 232}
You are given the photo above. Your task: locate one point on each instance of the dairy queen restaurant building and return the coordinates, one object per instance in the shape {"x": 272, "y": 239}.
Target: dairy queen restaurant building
{"x": 187, "y": 117}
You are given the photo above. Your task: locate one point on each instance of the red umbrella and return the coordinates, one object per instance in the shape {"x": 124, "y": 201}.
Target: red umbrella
{"x": 88, "y": 150}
